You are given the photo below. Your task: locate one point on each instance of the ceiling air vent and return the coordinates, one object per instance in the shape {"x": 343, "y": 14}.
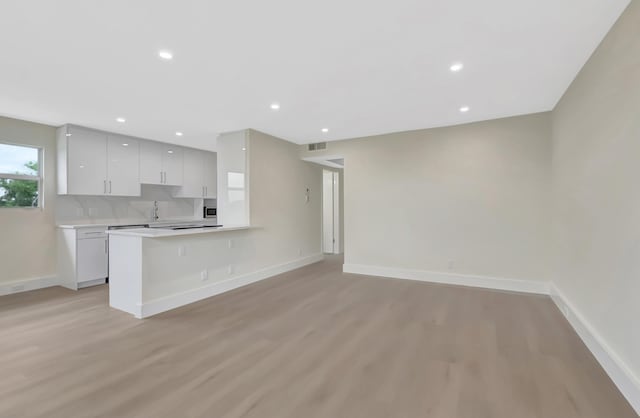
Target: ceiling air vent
{"x": 317, "y": 146}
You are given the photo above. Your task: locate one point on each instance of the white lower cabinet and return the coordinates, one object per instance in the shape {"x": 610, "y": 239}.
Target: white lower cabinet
{"x": 83, "y": 256}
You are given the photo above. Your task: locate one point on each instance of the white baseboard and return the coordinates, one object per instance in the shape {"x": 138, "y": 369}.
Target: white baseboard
{"x": 514, "y": 285}
{"x": 28, "y": 284}
{"x": 626, "y": 381}
{"x": 157, "y": 306}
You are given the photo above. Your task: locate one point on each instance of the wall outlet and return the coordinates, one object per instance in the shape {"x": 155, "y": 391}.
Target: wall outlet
{"x": 182, "y": 251}
{"x": 230, "y": 269}
{"x": 230, "y": 243}
{"x": 204, "y": 275}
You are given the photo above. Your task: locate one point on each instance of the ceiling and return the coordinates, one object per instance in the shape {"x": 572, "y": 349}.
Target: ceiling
{"x": 357, "y": 67}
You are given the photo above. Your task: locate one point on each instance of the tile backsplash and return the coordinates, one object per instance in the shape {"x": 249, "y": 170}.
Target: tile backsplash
{"x": 99, "y": 209}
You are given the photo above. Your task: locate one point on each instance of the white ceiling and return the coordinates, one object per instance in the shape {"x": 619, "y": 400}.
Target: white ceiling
{"x": 358, "y": 67}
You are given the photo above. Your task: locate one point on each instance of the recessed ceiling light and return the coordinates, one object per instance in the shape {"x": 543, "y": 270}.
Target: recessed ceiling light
{"x": 165, "y": 55}
{"x": 275, "y": 106}
{"x": 125, "y": 145}
{"x": 464, "y": 109}
{"x": 178, "y": 133}
{"x": 456, "y": 66}
{"x": 170, "y": 152}
{"x": 121, "y": 120}
{"x": 325, "y": 130}
{"x": 244, "y": 148}
{"x": 67, "y": 134}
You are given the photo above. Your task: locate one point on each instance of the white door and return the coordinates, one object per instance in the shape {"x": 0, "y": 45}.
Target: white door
{"x": 211, "y": 175}
{"x": 329, "y": 238}
{"x": 87, "y": 162}
{"x": 93, "y": 261}
{"x": 336, "y": 213}
{"x": 123, "y": 166}
{"x": 193, "y": 175}
{"x": 151, "y": 162}
{"x": 172, "y": 165}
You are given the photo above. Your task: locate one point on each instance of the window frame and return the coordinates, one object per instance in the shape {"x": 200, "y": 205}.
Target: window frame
{"x": 38, "y": 178}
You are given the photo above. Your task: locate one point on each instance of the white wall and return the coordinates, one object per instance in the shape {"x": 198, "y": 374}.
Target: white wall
{"x": 475, "y": 195}
{"x": 28, "y": 236}
{"x": 596, "y": 172}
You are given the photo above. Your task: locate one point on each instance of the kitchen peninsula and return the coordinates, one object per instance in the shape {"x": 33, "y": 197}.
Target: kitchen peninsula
{"x": 152, "y": 270}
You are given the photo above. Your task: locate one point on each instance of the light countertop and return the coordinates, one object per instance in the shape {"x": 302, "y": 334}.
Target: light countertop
{"x": 139, "y": 222}
{"x": 162, "y": 233}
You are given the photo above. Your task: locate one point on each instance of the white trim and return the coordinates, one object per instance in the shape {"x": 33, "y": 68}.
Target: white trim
{"x": 621, "y": 375}
{"x": 28, "y": 284}
{"x": 167, "y": 303}
{"x": 514, "y": 285}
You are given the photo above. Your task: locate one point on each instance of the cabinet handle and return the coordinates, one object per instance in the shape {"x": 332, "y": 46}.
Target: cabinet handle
{"x": 109, "y": 186}
{"x": 104, "y": 187}
{"x": 206, "y": 191}
{"x": 161, "y": 177}
{"x": 106, "y": 248}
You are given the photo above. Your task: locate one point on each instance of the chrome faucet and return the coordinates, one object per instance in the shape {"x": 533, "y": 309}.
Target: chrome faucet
{"x": 155, "y": 210}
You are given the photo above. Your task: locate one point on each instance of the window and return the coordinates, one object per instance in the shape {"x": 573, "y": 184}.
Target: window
{"x": 20, "y": 179}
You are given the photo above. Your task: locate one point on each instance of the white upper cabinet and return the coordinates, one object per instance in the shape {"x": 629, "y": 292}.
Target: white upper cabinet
{"x": 192, "y": 185}
{"x": 86, "y": 165}
{"x": 199, "y": 174}
{"x": 172, "y": 163}
{"x": 151, "y": 163}
{"x": 96, "y": 163}
{"x": 123, "y": 166}
{"x": 210, "y": 175}
{"x": 161, "y": 163}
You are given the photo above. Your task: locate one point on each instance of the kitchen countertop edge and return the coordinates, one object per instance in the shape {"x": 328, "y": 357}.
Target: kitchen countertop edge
{"x": 164, "y": 233}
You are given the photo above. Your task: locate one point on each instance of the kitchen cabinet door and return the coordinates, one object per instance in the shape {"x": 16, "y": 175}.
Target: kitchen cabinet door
{"x": 210, "y": 174}
{"x": 93, "y": 259}
{"x": 123, "y": 166}
{"x": 86, "y": 162}
{"x": 151, "y": 162}
{"x": 192, "y": 185}
{"x": 172, "y": 164}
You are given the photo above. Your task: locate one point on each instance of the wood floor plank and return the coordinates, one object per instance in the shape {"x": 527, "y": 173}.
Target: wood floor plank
{"x": 309, "y": 343}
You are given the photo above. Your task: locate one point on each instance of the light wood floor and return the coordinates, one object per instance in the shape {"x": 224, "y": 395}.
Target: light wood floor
{"x": 309, "y": 343}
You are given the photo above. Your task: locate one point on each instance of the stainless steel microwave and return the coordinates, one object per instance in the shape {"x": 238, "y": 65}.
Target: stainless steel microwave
{"x": 210, "y": 212}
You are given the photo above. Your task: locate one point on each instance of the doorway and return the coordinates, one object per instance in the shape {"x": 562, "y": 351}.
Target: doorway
{"x": 330, "y": 212}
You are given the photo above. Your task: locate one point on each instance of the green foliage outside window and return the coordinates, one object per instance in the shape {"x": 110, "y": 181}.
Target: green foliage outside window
{"x": 20, "y": 193}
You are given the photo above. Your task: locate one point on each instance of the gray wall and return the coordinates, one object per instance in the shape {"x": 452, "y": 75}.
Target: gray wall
{"x": 596, "y": 172}
{"x": 475, "y": 194}
{"x": 287, "y": 226}
{"x": 28, "y": 236}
